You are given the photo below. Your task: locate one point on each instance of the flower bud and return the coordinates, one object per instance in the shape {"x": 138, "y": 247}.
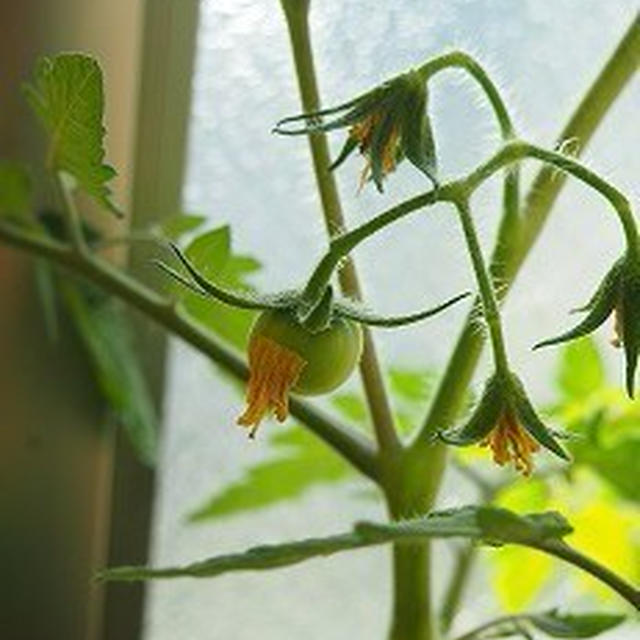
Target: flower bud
{"x": 386, "y": 125}
{"x": 505, "y": 421}
{"x": 618, "y": 294}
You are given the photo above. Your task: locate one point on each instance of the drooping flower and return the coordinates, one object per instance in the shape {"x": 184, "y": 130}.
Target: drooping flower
{"x": 617, "y": 295}
{"x": 506, "y": 422}
{"x": 386, "y": 125}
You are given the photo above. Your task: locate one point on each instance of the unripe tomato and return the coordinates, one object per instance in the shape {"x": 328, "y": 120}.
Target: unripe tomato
{"x": 330, "y": 355}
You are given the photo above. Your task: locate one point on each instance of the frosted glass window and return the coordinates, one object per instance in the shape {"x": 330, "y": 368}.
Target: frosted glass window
{"x": 544, "y": 53}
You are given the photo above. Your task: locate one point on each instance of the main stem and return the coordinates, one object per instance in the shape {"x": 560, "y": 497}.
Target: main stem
{"x": 296, "y": 13}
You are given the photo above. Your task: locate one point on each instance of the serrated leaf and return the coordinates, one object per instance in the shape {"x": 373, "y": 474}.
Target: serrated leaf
{"x": 15, "y": 190}
{"x": 66, "y": 95}
{"x": 580, "y": 370}
{"x": 106, "y": 336}
{"x": 302, "y": 462}
{"x": 586, "y": 625}
{"x": 211, "y": 254}
{"x": 469, "y": 522}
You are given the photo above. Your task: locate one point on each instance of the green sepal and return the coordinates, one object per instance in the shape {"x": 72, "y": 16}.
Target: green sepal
{"x": 349, "y": 146}
{"x": 529, "y": 419}
{"x": 205, "y": 286}
{"x": 349, "y": 310}
{"x": 417, "y": 136}
{"x": 599, "y": 309}
{"x": 610, "y": 280}
{"x": 629, "y": 310}
{"x": 483, "y": 418}
{"x": 379, "y": 139}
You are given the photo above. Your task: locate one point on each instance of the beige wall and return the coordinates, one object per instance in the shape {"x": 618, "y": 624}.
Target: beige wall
{"x": 55, "y": 449}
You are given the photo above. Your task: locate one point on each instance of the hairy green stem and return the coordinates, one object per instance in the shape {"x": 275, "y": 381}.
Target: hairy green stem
{"x": 489, "y": 301}
{"x": 350, "y": 444}
{"x": 546, "y": 186}
{"x": 296, "y": 13}
{"x": 515, "y": 151}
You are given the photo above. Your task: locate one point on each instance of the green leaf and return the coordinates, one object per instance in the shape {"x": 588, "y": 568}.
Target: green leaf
{"x": 15, "y": 190}
{"x": 586, "y": 625}
{"x": 580, "y": 371}
{"x": 479, "y": 523}
{"x": 302, "y": 462}
{"x": 211, "y": 254}
{"x": 617, "y": 464}
{"x": 175, "y": 227}
{"x": 107, "y": 338}
{"x": 352, "y": 406}
{"x": 67, "y": 97}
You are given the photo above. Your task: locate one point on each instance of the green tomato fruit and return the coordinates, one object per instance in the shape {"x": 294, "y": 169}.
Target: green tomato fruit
{"x": 330, "y": 355}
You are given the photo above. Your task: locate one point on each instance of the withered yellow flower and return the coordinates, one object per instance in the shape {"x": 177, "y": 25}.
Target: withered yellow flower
{"x": 274, "y": 370}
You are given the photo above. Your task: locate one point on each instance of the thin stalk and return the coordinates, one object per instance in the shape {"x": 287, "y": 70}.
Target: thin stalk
{"x": 560, "y": 549}
{"x": 354, "y": 447}
{"x": 487, "y": 293}
{"x": 296, "y": 13}
{"x": 454, "y": 593}
{"x": 546, "y": 186}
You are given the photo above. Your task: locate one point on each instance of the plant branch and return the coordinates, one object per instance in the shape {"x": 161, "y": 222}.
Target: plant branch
{"x": 514, "y": 151}
{"x": 491, "y": 311}
{"x": 351, "y": 445}
{"x": 296, "y": 13}
{"x": 561, "y": 550}
{"x": 541, "y": 197}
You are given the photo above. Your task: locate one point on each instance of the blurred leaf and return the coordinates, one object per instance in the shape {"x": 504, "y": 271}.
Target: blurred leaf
{"x": 515, "y": 588}
{"x": 411, "y": 385}
{"x": 580, "y": 371}
{"x": 303, "y": 462}
{"x": 481, "y": 523}
{"x": 586, "y": 625}
{"x": 67, "y": 96}
{"x": 352, "y": 406}
{"x": 107, "y": 338}
{"x": 175, "y": 227}
{"x": 212, "y": 256}
{"x": 15, "y": 190}
{"x": 618, "y": 464}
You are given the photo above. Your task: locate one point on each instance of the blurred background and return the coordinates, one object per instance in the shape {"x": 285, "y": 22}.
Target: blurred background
{"x": 192, "y": 91}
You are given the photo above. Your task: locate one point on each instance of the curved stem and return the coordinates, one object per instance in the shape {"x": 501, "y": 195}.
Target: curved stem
{"x": 517, "y": 150}
{"x": 296, "y": 13}
{"x": 351, "y": 445}
{"x": 487, "y": 294}
{"x": 463, "y": 60}
{"x": 615, "y": 75}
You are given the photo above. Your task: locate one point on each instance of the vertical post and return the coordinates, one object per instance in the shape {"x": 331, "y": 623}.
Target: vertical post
{"x": 167, "y": 55}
